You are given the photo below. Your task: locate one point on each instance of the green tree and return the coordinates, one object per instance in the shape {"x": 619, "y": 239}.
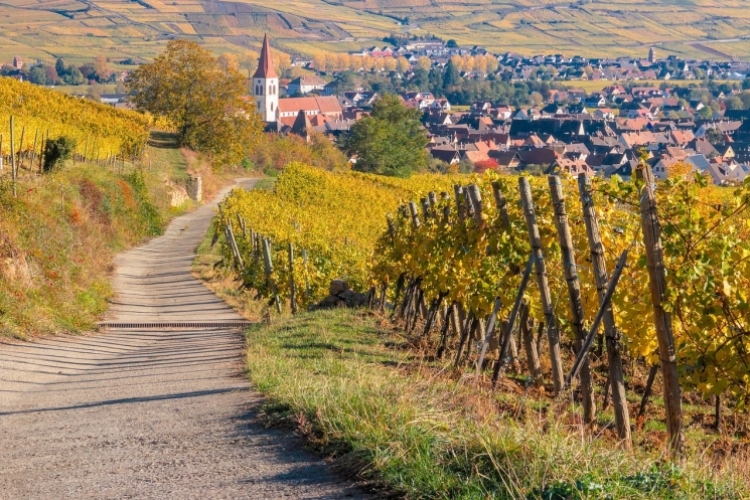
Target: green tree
{"x": 452, "y": 75}
{"x": 714, "y": 136}
{"x": 57, "y": 151}
{"x": 73, "y": 76}
{"x": 735, "y": 102}
{"x": 38, "y": 75}
{"x": 207, "y": 103}
{"x": 389, "y": 142}
{"x": 60, "y": 67}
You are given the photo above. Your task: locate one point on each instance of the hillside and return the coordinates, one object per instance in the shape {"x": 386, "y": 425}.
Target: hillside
{"x": 79, "y": 29}
{"x": 110, "y": 130}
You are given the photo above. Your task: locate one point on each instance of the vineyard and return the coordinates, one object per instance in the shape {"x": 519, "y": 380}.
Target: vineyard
{"x": 485, "y": 271}
{"x": 99, "y": 131}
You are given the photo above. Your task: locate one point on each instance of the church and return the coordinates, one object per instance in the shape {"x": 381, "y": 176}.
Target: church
{"x": 280, "y": 113}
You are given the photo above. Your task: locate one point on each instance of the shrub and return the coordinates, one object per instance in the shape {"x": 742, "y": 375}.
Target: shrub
{"x": 57, "y": 151}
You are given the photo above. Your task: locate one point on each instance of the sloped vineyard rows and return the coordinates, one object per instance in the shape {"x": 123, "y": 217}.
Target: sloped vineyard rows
{"x": 455, "y": 258}
{"x": 99, "y": 130}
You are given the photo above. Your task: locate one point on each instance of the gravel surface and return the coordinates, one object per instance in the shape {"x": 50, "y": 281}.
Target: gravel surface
{"x": 148, "y": 413}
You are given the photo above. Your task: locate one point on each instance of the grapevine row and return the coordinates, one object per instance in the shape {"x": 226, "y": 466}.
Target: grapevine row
{"x": 456, "y": 261}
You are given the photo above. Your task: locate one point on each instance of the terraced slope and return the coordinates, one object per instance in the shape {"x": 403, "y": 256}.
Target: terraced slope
{"x": 120, "y": 28}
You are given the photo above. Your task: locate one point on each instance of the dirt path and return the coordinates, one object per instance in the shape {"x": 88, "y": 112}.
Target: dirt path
{"x": 148, "y": 413}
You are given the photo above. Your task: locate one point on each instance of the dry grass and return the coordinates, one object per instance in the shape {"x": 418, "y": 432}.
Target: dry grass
{"x": 58, "y": 239}
{"x": 358, "y": 391}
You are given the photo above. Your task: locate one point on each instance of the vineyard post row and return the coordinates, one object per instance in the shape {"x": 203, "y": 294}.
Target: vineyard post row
{"x": 36, "y": 156}
{"x": 468, "y": 204}
{"x": 466, "y": 325}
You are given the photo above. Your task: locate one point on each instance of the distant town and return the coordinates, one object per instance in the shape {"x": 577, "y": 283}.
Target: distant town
{"x": 502, "y": 111}
{"x": 705, "y": 125}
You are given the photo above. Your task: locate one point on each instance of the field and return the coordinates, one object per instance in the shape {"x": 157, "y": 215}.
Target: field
{"x": 80, "y": 29}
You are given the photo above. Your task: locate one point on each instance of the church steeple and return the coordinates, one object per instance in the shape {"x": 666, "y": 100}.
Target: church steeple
{"x": 266, "y": 84}
{"x": 265, "y": 63}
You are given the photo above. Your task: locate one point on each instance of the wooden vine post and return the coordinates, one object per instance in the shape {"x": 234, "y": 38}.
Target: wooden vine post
{"x": 502, "y": 205}
{"x": 558, "y": 378}
{"x": 14, "y": 171}
{"x": 662, "y": 319}
{"x": 459, "y": 191}
{"x": 33, "y": 149}
{"x": 532, "y": 354}
{"x": 269, "y": 271}
{"x": 567, "y": 253}
{"x": 307, "y": 281}
{"x": 292, "y": 288}
{"x": 20, "y": 148}
{"x": 612, "y": 336}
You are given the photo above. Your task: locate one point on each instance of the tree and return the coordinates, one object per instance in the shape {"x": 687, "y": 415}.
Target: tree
{"x": 282, "y": 61}
{"x": 735, "y": 103}
{"x": 451, "y": 44}
{"x": 452, "y": 75}
{"x": 208, "y": 106}
{"x": 102, "y": 69}
{"x": 56, "y": 151}
{"x": 52, "y": 76}
{"x": 60, "y": 67}
{"x": 319, "y": 61}
{"x": 480, "y": 64}
{"x": 389, "y": 142}
{"x": 492, "y": 64}
{"x": 424, "y": 63}
{"x": 714, "y": 136}
{"x": 403, "y": 64}
{"x": 37, "y": 75}
{"x": 95, "y": 92}
{"x": 73, "y": 76}
{"x": 229, "y": 62}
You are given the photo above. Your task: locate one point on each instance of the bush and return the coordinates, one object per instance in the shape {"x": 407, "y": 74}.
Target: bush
{"x": 57, "y": 151}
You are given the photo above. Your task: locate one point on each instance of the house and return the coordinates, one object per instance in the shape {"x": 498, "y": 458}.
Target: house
{"x": 306, "y": 84}
{"x": 17, "y": 63}
{"x": 624, "y": 171}
{"x": 289, "y": 108}
{"x": 572, "y": 167}
{"x": 475, "y": 156}
{"x": 302, "y": 126}
{"x": 703, "y": 147}
{"x": 725, "y": 151}
{"x": 604, "y": 114}
{"x": 446, "y": 153}
{"x": 539, "y": 156}
{"x": 506, "y": 159}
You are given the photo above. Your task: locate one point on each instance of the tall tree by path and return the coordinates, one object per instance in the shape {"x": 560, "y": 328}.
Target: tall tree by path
{"x": 389, "y": 142}
{"x": 206, "y": 100}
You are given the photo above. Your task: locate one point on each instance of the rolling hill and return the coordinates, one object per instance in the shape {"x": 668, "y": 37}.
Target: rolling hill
{"x": 80, "y": 29}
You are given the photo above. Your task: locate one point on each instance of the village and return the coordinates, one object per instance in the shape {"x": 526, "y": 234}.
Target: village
{"x": 603, "y": 133}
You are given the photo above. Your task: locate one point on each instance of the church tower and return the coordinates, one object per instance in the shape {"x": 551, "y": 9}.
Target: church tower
{"x": 651, "y": 55}
{"x": 266, "y": 85}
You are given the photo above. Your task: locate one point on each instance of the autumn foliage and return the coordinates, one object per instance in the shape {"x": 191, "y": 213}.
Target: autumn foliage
{"x": 204, "y": 98}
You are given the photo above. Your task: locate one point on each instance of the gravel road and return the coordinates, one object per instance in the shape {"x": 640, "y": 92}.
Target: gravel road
{"x": 151, "y": 412}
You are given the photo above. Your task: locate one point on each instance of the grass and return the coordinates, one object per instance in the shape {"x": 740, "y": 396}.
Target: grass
{"x": 59, "y": 236}
{"x": 352, "y": 387}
